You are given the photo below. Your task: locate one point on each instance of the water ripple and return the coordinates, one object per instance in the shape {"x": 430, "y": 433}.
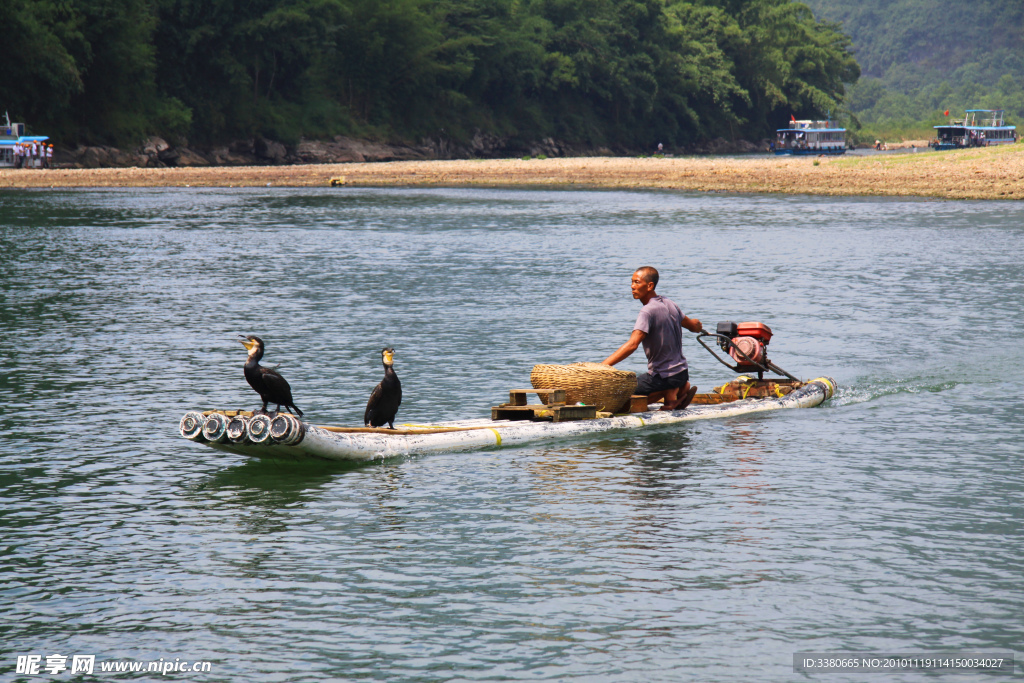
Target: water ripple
{"x": 887, "y": 520}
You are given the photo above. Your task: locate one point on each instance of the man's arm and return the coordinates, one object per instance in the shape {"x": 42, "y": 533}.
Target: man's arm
{"x": 626, "y": 349}
{"x": 692, "y": 324}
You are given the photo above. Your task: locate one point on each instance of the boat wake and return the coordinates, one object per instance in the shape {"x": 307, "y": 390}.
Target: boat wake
{"x": 863, "y": 392}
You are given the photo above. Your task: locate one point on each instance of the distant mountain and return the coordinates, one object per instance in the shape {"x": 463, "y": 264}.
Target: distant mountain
{"x": 921, "y": 57}
{"x": 936, "y": 35}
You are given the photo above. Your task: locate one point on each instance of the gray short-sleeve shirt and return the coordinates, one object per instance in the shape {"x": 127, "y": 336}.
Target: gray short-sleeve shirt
{"x": 662, "y": 320}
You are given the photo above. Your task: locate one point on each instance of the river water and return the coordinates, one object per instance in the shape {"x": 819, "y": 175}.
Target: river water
{"x": 887, "y": 520}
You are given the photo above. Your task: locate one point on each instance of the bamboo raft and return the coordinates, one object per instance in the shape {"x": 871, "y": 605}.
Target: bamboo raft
{"x": 284, "y": 436}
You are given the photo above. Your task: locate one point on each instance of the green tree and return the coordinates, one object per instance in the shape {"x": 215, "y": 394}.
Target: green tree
{"x": 790, "y": 63}
{"x": 39, "y": 74}
{"x": 598, "y": 72}
{"x": 120, "y": 101}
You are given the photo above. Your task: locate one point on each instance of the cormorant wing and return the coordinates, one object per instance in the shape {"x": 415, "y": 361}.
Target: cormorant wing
{"x": 378, "y": 391}
{"x": 272, "y": 370}
{"x": 276, "y": 385}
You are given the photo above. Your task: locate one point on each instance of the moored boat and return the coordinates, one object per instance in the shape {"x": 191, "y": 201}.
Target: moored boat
{"x": 18, "y": 149}
{"x": 810, "y": 137}
{"x": 978, "y": 128}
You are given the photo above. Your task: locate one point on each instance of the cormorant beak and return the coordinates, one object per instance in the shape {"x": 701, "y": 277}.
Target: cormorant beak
{"x": 389, "y": 357}
{"x": 247, "y": 343}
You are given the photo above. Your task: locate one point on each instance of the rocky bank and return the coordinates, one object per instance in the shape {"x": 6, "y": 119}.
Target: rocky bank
{"x": 156, "y": 152}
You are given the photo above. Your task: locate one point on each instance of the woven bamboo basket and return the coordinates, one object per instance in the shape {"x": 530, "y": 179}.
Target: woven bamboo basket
{"x": 591, "y": 383}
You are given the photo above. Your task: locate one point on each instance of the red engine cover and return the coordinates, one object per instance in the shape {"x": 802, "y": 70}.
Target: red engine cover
{"x": 758, "y": 331}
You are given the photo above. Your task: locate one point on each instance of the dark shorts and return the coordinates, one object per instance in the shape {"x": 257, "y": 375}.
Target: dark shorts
{"x": 647, "y": 384}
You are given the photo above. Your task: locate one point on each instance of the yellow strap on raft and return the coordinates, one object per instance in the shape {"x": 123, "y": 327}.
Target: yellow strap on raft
{"x": 747, "y": 390}
{"x": 496, "y": 435}
{"x": 742, "y": 379}
{"x": 778, "y": 391}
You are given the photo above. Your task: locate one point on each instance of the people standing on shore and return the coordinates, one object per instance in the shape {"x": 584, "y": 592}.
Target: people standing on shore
{"x": 30, "y": 154}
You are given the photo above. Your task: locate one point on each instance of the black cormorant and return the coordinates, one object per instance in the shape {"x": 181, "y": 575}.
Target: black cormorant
{"x": 267, "y": 382}
{"x": 386, "y": 396}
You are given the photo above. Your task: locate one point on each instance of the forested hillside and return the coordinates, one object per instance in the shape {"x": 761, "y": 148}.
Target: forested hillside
{"x": 922, "y": 57}
{"x": 591, "y": 72}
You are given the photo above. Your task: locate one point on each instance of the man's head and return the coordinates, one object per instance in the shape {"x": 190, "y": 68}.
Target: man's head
{"x": 644, "y": 281}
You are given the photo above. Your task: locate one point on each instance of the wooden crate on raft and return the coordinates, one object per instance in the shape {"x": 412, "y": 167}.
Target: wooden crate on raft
{"x": 554, "y": 407}
{"x": 709, "y": 399}
{"x": 637, "y": 404}
{"x": 742, "y": 388}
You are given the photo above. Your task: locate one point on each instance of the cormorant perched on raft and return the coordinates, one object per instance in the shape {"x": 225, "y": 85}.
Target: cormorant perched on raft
{"x": 386, "y": 396}
{"x": 267, "y": 382}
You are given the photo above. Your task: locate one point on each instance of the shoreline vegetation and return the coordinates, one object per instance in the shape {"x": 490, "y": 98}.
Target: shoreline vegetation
{"x": 620, "y": 74}
{"x": 983, "y": 173}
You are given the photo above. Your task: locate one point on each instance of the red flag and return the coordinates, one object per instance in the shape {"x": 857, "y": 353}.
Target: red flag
{"x": 947, "y": 113}
{"x": 792, "y": 118}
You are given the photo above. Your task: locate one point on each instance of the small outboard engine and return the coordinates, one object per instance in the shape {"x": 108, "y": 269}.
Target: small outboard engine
{"x": 747, "y": 345}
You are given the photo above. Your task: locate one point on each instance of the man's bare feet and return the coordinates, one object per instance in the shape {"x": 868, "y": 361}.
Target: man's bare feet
{"x": 681, "y": 403}
{"x": 687, "y": 399}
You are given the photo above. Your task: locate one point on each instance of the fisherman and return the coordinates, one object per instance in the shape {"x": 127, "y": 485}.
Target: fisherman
{"x": 49, "y": 156}
{"x": 659, "y": 328}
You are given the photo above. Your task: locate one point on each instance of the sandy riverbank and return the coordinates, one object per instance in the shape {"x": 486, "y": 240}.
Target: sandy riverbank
{"x": 989, "y": 173}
